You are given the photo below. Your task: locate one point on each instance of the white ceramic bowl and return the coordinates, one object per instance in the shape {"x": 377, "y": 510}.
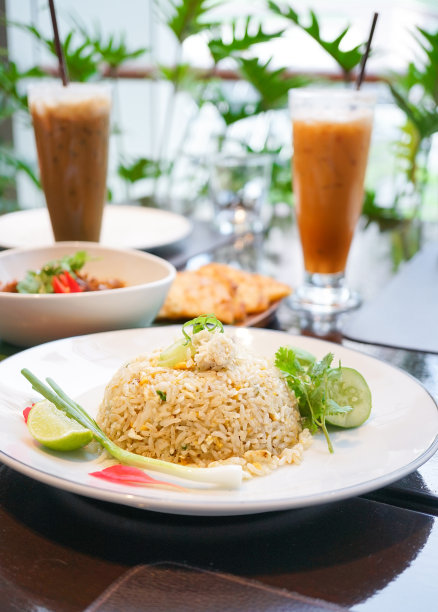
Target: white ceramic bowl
{"x": 26, "y": 320}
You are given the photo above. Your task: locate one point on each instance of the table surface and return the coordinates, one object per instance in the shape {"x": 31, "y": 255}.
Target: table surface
{"x": 60, "y": 551}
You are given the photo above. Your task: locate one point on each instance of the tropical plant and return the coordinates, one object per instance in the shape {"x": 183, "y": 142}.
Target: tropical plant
{"x": 235, "y": 45}
{"x": 416, "y": 94}
{"x": 86, "y": 54}
{"x": 12, "y": 101}
{"x": 346, "y": 60}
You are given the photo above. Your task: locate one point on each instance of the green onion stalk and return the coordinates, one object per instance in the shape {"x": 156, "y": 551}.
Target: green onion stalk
{"x": 226, "y": 476}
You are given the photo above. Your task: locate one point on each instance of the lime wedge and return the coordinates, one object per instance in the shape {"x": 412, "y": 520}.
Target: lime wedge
{"x": 54, "y": 429}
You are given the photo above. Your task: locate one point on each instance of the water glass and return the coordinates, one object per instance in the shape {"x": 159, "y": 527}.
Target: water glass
{"x": 239, "y": 186}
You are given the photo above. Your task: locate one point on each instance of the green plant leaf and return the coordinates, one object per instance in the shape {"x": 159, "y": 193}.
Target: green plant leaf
{"x": 16, "y": 164}
{"x": 138, "y": 169}
{"x": 10, "y": 97}
{"x": 281, "y": 181}
{"x": 252, "y": 34}
{"x": 180, "y": 74}
{"x": 230, "y": 110}
{"x": 80, "y": 56}
{"x": 420, "y": 77}
{"x": 425, "y": 119}
{"x": 347, "y": 60}
{"x": 426, "y": 72}
{"x": 271, "y": 85}
{"x": 112, "y": 49}
{"x": 186, "y": 17}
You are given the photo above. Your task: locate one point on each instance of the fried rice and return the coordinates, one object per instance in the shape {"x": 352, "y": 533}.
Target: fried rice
{"x": 222, "y": 405}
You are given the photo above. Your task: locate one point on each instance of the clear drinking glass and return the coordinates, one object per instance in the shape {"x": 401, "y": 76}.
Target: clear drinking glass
{"x": 71, "y": 126}
{"x": 239, "y": 186}
{"x": 331, "y": 137}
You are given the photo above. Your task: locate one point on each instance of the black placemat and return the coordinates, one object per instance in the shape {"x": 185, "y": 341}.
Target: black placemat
{"x": 404, "y": 315}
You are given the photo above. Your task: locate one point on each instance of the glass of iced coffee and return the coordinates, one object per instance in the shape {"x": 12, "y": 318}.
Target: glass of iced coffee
{"x": 71, "y": 126}
{"x": 331, "y": 138}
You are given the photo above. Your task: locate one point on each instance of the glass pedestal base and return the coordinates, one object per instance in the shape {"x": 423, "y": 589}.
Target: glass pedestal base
{"x": 324, "y": 294}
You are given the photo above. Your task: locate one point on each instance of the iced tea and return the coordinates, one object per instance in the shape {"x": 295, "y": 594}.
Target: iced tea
{"x": 71, "y": 126}
{"x": 329, "y": 164}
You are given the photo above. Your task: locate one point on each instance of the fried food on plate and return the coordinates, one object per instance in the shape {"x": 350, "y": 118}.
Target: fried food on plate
{"x": 192, "y": 294}
{"x": 229, "y": 293}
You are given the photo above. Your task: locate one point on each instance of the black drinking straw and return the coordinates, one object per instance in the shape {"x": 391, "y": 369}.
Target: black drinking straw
{"x": 367, "y": 51}
{"x": 58, "y": 47}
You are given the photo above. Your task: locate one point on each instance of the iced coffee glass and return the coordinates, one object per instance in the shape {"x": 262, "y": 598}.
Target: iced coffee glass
{"x": 71, "y": 126}
{"x": 331, "y": 138}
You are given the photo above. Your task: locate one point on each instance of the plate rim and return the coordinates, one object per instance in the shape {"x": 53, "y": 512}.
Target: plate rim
{"x": 187, "y": 225}
{"x": 202, "y": 508}
{"x": 216, "y": 507}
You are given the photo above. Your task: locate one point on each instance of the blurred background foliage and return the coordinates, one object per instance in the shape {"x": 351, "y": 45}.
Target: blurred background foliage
{"x": 234, "y": 46}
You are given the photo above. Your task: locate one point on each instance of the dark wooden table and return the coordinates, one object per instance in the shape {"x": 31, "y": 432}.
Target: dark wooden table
{"x": 60, "y": 551}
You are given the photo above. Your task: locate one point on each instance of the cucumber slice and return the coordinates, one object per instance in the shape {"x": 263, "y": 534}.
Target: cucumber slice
{"x": 175, "y": 353}
{"x": 350, "y": 389}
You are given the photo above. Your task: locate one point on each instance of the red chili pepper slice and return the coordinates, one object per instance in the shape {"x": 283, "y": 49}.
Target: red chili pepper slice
{"x": 58, "y": 287}
{"x": 125, "y": 474}
{"x": 26, "y": 412}
{"x": 65, "y": 283}
{"x": 72, "y": 283}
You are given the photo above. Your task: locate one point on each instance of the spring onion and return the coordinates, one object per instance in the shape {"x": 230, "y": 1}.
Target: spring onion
{"x": 227, "y": 476}
{"x": 180, "y": 350}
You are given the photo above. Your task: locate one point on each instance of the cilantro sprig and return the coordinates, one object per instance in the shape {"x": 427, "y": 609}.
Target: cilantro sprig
{"x": 40, "y": 281}
{"x": 311, "y": 382}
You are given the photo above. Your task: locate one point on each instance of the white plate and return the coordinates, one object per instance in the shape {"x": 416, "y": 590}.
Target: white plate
{"x": 401, "y": 434}
{"x": 134, "y": 227}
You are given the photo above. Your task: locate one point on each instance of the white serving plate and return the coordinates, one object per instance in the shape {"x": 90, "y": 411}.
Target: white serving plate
{"x": 400, "y": 435}
{"x": 136, "y": 227}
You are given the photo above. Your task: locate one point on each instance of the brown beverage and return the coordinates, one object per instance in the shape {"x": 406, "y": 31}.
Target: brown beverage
{"x": 329, "y": 164}
{"x": 71, "y": 126}
{"x": 331, "y": 140}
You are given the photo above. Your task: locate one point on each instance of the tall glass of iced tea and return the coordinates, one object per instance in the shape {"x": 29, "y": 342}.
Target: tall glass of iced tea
{"x": 331, "y": 138}
{"x": 71, "y": 126}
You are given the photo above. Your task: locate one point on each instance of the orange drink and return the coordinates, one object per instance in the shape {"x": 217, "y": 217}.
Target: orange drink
{"x": 331, "y": 140}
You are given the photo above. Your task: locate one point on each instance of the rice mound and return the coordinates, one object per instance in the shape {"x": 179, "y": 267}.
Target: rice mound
{"x": 226, "y": 407}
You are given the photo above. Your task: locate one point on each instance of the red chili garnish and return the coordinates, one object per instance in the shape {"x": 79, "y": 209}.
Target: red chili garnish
{"x": 126, "y": 474}
{"x": 26, "y": 412}
{"x": 58, "y": 287}
{"x": 65, "y": 283}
